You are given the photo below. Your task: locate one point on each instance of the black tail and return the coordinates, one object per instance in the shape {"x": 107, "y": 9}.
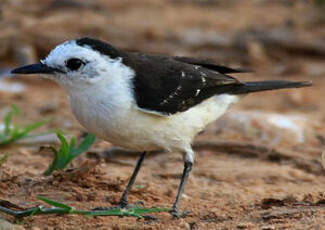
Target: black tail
{"x": 255, "y": 86}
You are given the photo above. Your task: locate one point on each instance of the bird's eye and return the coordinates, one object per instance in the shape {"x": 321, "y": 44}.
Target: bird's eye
{"x": 74, "y": 63}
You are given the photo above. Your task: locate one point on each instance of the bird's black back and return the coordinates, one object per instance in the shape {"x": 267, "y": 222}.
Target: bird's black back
{"x": 167, "y": 86}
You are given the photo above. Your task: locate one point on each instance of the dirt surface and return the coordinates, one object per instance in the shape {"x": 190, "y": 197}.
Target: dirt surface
{"x": 243, "y": 178}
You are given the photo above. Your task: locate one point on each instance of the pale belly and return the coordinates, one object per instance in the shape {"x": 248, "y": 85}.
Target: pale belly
{"x": 128, "y": 127}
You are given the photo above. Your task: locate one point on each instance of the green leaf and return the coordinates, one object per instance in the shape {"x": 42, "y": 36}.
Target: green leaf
{"x": 68, "y": 152}
{"x": 27, "y": 129}
{"x": 72, "y": 143}
{"x": 137, "y": 212}
{"x": 63, "y": 153}
{"x": 113, "y": 212}
{"x": 13, "y": 132}
{"x": 85, "y": 144}
{"x": 64, "y": 143}
{"x": 141, "y": 211}
{"x": 54, "y": 203}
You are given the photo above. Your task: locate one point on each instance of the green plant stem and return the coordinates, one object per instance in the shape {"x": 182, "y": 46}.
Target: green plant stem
{"x": 40, "y": 210}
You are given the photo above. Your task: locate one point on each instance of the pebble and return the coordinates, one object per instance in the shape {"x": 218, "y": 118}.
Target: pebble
{"x": 244, "y": 225}
{"x": 267, "y": 227}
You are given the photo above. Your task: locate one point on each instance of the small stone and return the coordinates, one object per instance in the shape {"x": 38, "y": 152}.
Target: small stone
{"x": 267, "y": 227}
{"x": 244, "y": 225}
{"x": 186, "y": 197}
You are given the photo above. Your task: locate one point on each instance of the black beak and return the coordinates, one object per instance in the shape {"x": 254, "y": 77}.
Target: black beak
{"x": 38, "y": 68}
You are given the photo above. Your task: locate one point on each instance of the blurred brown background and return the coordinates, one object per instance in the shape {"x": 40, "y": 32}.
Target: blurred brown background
{"x": 257, "y": 168}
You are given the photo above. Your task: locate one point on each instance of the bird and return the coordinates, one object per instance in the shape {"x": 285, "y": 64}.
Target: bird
{"x": 145, "y": 102}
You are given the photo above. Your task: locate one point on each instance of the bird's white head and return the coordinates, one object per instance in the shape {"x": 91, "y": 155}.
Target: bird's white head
{"x": 79, "y": 63}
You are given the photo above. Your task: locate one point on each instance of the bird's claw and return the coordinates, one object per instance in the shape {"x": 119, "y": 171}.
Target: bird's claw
{"x": 178, "y": 214}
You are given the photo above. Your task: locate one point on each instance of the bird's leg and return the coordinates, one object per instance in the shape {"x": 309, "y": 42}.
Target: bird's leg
{"x": 124, "y": 199}
{"x": 186, "y": 172}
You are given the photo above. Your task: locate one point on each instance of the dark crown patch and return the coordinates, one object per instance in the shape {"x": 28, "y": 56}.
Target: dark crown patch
{"x": 100, "y": 46}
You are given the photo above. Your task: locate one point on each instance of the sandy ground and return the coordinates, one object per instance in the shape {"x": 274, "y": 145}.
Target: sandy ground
{"x": 279, "y": 186}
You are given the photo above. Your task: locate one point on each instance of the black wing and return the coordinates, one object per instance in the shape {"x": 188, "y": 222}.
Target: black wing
{"x": 209, "y": 64}
{"x": 166, "y": 86}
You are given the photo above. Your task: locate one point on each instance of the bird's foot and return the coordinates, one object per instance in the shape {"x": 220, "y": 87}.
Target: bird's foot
{"x": 178, "y": 214}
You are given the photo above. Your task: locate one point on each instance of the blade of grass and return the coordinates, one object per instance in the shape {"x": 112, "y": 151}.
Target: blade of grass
{"x": 63, "y": 153}
{"x": 72, "y": 144}
{"x": 31, "y": 127}
{"x": 85, "y": 144}
{"x": 141, "y": 211}
{"x": 13, "y": 132}
{"x": 68, "y": 152}
{"x": 64, "y": 143}
{"x": 54, "y": 203}
{"x": 16, "y": 134}
{"x": 60, "y": 208}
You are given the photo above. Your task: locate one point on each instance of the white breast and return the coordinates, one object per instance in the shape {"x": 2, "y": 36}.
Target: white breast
{"x": 115, "y": 117}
